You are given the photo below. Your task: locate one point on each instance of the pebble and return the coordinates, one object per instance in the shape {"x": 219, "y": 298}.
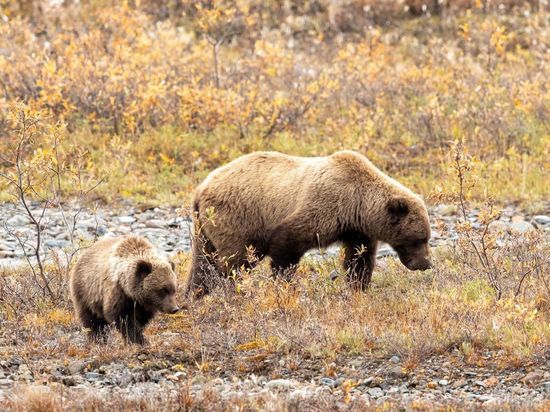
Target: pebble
{"x": 521, "y": 227}
{"x": 395, "y": 359}
{"x": 443, "y": 382}
{"x": 375, "y": 392}
{"x": 533, "y": 378}
{"x": 5, "y": 383}
{"x": 541, "y": 220}
{"x": 76, "y": 367}
{"x": 397, "y": 372}
{"x": 327, "y": 381}
{"x": 280, "y": 384}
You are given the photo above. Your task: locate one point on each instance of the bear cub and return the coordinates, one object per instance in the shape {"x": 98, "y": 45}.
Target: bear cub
{"x": 124, "y": 281}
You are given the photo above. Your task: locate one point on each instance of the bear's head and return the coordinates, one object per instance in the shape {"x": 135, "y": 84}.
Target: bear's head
{"x": 407, "y": 231}
{"x": 156, "y": 284}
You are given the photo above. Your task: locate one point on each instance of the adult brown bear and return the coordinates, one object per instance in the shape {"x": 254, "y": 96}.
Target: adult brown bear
{"x": 281, "y": 206}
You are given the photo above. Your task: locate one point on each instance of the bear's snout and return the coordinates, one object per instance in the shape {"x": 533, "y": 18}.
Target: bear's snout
{"x": 418, "y": 264}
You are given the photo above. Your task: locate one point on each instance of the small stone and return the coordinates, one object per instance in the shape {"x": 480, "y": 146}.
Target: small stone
{"x": 541, "y": 221}
{"x": 490, "y": 382}
{"x": 76, "y": 367}
{"x": 431, "y": 385}
{"x": 486, "y": 398}
{"x": 18, "y": 221}
{"x": 443, "y": 382}
{"x": 327, "y": 381}
{"x": 395, "y": 359}
{"x": 338, "y": 382}
{"x": 92, "y": 376}
{"x": 447, "y": 210}
{"x": 480, "y": 383}
{"x": 279, "y": 384}
{"x": 532, "y": 378}
{"x": 397, "y": 372}
{"x": 375, "y": 392}
{"x": 521, "y": 227}
{"x": 155, "y": 223}
{"x": 5, "y": 383}
{"x": 142, "y": 357}
{"x": 459, "y": 383}
{"x": 498, "y": 227}
{"x": 125, "y": 220}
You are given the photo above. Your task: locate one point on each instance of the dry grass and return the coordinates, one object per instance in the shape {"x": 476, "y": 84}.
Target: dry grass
{"x": 254, "y": 319}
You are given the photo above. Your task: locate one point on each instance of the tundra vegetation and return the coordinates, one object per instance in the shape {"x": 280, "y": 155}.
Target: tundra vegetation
{"x": 104, "y": 104}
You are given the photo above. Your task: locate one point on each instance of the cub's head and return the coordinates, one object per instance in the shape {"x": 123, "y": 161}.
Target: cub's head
{"x": 157, "y": 283}
{"x": 408, "y": 231}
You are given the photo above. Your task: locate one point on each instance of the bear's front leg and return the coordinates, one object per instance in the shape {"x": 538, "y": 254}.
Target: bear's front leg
{"x": 131, "y": 331}
{"x": 98, "y": 327}
{"x": 359, "y": 259}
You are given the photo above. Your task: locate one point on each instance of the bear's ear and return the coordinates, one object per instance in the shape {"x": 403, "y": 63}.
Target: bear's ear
{"x": 172, "y": 265}
{"x": 143, "y": 268}
{"x": 398, "y": 207}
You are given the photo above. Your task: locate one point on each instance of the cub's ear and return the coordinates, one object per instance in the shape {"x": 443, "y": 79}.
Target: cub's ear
{"x": 398, "y": 207}
{"x": 172, "y": 265}
{"x": 143, "y": 268}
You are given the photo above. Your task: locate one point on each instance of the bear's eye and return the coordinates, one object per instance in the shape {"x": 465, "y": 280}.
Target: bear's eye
{"x": 164, "y": 292}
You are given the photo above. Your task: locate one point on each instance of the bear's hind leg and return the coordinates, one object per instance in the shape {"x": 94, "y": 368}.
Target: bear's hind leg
{"x": 359, "y": 259}
{"x": 204, "y": 269}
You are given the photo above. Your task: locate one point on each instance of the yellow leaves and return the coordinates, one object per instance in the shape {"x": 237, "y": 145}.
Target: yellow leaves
{"x": 499, "y": 39}
{"x": 254, "y": 344}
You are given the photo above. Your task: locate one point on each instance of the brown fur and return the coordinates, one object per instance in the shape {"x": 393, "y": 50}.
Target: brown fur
{"x": 284, "y": 205}
{"x": 122, "y": 280}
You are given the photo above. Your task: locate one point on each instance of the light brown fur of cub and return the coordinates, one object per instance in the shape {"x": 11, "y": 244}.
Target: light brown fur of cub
{"x": 282, "y": 206}
{"x": 122, "y": 280}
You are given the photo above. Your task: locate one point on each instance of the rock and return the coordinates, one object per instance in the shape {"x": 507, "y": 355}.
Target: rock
{"x": 76, "y": 367}
{"x": 490, "y": 382}
{"x": 156, "y": 223}
{"x": 480, "y": 383}
{"x": 18, "y": 221}
{"x": 443, "y": 382}
{"x": 521, "y": 227}
{"x": 498, "y": 227}
{"x": 447, "y": 210}
{"x": 125, "y": 220}
{"x": 541, "y": 221}
{"x": 375, "y": 392}
{"x": 397, "y": 372}
{"x": 431, "y": 385}
{"x": 327, "y": 381}
{"x": 533, "y": 378}
{"x": 486, "y": 398}
{"x": 459, "y": 383}
{"x": 6, "y": 383}
{"x": 93, "y": 376}
{"x": 517, "y": 218}
{"x": 280, "y": 384}
{"x": 55, "y": 244}
{"x": 142, "y": 357}
{"x": 395, "y": 359}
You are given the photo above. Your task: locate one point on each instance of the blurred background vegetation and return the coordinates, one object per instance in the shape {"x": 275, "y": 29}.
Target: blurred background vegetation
{"x": 150, "y": 96}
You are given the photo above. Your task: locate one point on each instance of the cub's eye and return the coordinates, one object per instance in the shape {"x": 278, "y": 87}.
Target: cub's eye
{"x": 164, "y": 292}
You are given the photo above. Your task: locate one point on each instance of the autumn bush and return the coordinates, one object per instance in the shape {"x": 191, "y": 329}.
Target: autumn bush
{"x": 160, "y": 93}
